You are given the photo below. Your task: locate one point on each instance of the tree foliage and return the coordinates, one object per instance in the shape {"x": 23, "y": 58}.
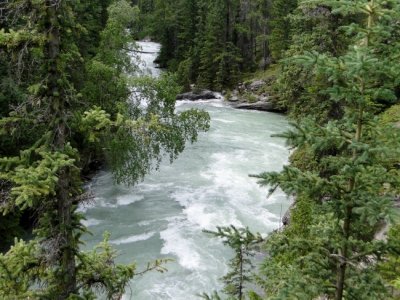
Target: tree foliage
{"x": 242, "y": 241}
{"x": 68, "y": 102}
{"x": 348, "y": 193}
{"x": 211, "y": 43}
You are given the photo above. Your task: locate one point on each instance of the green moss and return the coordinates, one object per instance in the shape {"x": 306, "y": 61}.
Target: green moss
{"x": 303, "y": 158}
{"x": 389, "y": 268}
{"x": 301, "y": 217}
{"x": 250, "y": 97}
{"x": 391, "y": 115}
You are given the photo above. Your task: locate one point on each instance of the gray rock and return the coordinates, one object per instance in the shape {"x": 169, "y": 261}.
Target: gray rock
{"x": 233, "y": 98}
{"x": 201, "y": 95}
{"x": 397, "y": 201}
{"x": 260, "y": 105}
{"x": 286, "y": 217}
{"x": 256, "y": 85}
{"x": 288, "y": 214}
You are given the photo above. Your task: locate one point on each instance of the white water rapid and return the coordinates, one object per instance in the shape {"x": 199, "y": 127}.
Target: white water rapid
{"x": 207, "y": 186}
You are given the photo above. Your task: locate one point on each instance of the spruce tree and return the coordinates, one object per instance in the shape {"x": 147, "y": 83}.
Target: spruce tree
{"x": 313, "y": 28}
{"x": 242, "y": 241}
{"x": 43, "y": 176}
{"x": 355, "y": 180}
{"x": 211, "y": 42}
{"x": 279, "y": 37}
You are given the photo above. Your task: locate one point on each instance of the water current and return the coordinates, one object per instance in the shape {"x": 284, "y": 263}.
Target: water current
{"x": 207, "y": 186}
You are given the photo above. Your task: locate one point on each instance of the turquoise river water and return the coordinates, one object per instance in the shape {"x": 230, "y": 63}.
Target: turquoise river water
{"x": 207, "y": 186}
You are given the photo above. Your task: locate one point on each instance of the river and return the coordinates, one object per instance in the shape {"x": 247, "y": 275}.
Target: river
{"x": 207, "y": 186}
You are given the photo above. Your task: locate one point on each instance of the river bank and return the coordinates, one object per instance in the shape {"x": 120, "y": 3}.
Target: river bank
{"x": 252, "y": 94}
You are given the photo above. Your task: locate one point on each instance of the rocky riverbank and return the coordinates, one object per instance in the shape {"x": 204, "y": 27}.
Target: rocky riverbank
{"x": 251, "y": 95}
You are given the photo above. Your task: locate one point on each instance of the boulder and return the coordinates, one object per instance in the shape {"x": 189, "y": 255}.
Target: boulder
{"x": 256, "y": 85}
{"x": 233, "y": 98}
{"x": 259, "y": 105}
{"x": 286, "y": 217}
{"x": 288, "y": 214}
{"x": 201, "y": 95}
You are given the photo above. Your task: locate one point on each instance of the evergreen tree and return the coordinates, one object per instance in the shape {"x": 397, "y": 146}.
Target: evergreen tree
{"x": 212, "y": 45}
{"x": 242, "y": 241}
{"x": 211, "y": 42}
{"x": 279, "y": 37}
{"x": 165, "y": 28}
{"x": 351, "y": 190}
{"x": 313, "y": 28}
{"x": 42, "y": 175}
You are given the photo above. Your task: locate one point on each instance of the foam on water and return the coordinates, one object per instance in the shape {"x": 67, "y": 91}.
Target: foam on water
{"x": 211, "y": 102}
{"x": 152, "y": 187}
{"x": 145, "y": 223}
{"x": 128, "y": 199}
{"x": 90, "y": 222}
{"x": 206, "y": 217}
{"x": 178, "y": 244}
{"x": 150, "y": 50}
{"x": 207, "y": 186}
{"x": 224, "y": 121}
{"x": 170, "y": 288}
{"x": 133, "y": 238}
{"x": 199, "y": 212}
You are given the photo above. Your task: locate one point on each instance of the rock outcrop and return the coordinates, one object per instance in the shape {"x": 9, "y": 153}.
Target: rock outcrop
{"x": 252, "y": 95}
{"x": 259, "y": 105}
{"x": 200, "y": 95}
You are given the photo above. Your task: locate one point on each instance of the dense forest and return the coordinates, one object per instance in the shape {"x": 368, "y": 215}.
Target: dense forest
{"x": 67, "y": 108}
{"x": 211, "y": 43}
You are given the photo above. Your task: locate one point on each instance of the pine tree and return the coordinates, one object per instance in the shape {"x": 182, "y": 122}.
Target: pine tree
{"x": 279, "y": 37}
{"x": 211, "y": 42}
{"x": 356, "y": 179}
{"x": 313, "y": 28}
{"x": 43, "y": 176}
{"x": 242, "y": 242}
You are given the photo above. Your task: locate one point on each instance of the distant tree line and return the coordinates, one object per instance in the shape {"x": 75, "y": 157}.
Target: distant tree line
{"x": 211, "y": 43}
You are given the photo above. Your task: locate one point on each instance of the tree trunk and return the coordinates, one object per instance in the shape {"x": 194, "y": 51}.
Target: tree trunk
{"x": 342, "y": 264}
{"x": 344, "y": 256}
{"x": 228, "y": 22}
{"x": 241, "y": 274}
{"x": 341, "y": 272}
{"x": 67, "y": 275}
{"x": 67, "y": 284}
{"x": 265, "y": 26}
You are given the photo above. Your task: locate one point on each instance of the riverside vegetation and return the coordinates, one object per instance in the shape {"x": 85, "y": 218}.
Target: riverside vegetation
{"x": 64, "y": 106}
{"x": 64, "y": 67}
